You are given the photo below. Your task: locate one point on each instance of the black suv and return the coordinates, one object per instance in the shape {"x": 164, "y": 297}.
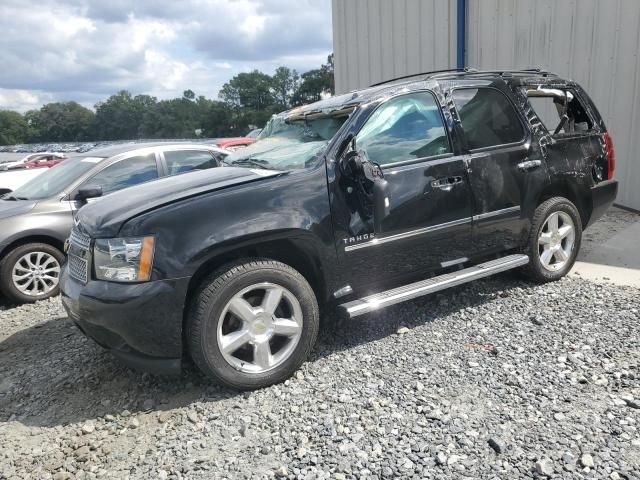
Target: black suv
{"x": 362, "y": 201}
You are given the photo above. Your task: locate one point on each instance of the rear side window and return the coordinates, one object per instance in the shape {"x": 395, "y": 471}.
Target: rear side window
{"x": 488, "y": 118}
{"x": 182, "y": 161}
{"x": 126, "y": 173}
{"x": 552, "y": 104}
{"x": 407, "y": 127}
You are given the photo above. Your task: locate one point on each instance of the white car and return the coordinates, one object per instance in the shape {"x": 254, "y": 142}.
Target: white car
{"x": 11, "y": 180}
{"x": 29, "y": 158}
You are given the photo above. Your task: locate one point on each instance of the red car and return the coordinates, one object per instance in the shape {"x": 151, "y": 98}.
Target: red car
{"x": 234, "y": 143}
{"x": 47, "y": 160}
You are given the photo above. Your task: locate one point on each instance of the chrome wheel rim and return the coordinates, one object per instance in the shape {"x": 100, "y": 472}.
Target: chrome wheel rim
{"x": 36, "y": 274}
{"x": 259, "y": 328}
{"x": 556, "y": 241}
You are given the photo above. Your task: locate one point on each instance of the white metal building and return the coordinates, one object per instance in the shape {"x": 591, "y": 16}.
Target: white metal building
{"x": 594, "y": 42}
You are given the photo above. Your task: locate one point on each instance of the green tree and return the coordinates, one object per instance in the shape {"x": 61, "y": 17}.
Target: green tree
{"x": 13, "y": 128}
{"x": 60, "y": 122}
{"x": 121, "y": 115}
{"x": 217, "y": 119}
{"x": 248, "y": 90}
{"x": 284, "y": 84}
{"x": 178, "y": 117}
{"x": 316, "y": 83}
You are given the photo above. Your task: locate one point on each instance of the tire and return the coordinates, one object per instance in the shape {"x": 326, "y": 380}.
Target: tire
{"x": 560, "y": 244}
{"x": 39, "y": 264}
{"x": 231, "y": 308}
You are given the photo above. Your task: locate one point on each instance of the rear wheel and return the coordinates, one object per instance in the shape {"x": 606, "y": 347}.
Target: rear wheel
{"x": 252, "y": 324}
{"x": 554, "y": 241}
{"x": 31, "y": 272}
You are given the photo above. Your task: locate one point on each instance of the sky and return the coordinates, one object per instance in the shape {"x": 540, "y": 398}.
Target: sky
{"x": 86, "y": 50}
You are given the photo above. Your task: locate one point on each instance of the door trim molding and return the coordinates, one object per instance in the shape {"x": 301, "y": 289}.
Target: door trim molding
{"x": 401, "y": 236}
{"x": 495, "y": 213}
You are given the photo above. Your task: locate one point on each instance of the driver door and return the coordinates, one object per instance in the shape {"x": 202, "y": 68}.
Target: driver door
{"x": 427, "y": 225}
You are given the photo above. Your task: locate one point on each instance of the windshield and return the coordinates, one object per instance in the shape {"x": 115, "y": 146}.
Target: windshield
{"x": 54, "y": 180}
{"x": 286, "y": 145}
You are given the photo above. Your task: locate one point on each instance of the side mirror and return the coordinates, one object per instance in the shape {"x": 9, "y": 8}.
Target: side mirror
{"x": 90, "y": 191}
{"x": 352, "y": 163}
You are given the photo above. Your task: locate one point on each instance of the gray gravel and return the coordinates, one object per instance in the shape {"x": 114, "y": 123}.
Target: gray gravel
{"x": 499, "y": 379}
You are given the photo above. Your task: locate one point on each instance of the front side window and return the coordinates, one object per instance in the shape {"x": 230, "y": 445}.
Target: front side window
{"x": 488, "y": 118}
{"x": 407, "y": 127}
{"x": 182, "y": 161}
{"x": 125, "y": 173}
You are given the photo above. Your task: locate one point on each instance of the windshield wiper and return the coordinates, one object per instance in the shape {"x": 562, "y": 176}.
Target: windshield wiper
{"x": 252, "y": 162}
{"x": 13, "y": 199}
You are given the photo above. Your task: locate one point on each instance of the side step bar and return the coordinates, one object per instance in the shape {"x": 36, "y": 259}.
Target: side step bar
{"x": 431, "y": 285}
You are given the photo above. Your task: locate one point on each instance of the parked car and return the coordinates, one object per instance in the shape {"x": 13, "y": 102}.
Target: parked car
{"x": 361, "y": 201}
{"x": 13, "y": 179}
{"x": 254, "y": 133}
{"x": 45, "y": 161}
{"x": 36, "y": 218}
{"x": 232, "y": 144}
{"x": 34, "y": 157}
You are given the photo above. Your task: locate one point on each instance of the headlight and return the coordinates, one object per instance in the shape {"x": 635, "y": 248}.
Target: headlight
{"x": 124, "y": 259}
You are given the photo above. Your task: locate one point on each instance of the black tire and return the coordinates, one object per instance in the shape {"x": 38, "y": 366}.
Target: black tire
{"x": 8, "y": 263}
{"x": 208, "y": 305}
{"x": 535, "y": 270}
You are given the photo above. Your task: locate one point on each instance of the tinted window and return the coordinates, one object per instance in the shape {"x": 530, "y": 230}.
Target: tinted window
{"x": 488, "y": 118}
{"x": 404, "y": 128}
{"x": 125, "y": 173}
{"x": 181, "y": 161}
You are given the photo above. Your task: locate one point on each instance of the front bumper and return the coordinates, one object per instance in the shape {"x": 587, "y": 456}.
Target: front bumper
{"x": 602, "y": 197}
{"x": 139, "y": 323}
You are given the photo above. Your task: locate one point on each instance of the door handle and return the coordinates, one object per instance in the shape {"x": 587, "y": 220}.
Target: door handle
{"x": 447, "y": 183}
{"x": 529, "y": 165}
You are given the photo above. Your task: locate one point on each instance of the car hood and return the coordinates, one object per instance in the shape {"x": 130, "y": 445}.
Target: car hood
{"x": 103, "y": 217}
{"x": 11, "y": 208}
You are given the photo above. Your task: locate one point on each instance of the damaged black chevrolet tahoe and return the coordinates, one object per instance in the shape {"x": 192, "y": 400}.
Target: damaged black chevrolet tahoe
{"x": 359, "y": 201}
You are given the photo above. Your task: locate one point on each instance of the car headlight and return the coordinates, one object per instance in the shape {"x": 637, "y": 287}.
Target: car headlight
{"x": 124, "y": 259}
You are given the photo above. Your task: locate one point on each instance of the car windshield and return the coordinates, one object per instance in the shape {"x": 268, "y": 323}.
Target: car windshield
{"x": 286, "y": 145}
{"x": 54, "y": 180}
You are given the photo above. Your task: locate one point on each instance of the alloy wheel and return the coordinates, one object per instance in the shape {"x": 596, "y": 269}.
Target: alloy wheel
{"x": 556, "y": 241}
{"x": 36, "y": 274}
{"x": 259, "y": 328}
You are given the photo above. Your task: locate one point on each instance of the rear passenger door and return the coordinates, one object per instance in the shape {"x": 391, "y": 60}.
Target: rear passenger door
{"x": 505, "y": 173}
{"x": 177, "y": 161}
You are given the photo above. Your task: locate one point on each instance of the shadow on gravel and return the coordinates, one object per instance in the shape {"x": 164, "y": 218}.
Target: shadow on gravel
{"x": 50, "y": 374}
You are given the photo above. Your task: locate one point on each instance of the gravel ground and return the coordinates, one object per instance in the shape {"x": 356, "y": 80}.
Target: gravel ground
{"x": 495, "y": 379}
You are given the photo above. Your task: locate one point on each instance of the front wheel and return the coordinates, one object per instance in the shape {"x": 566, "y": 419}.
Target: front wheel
{"x": 554, "y": 240}
{"x": 252, "y": 324}
{"x": 31, "y": 272}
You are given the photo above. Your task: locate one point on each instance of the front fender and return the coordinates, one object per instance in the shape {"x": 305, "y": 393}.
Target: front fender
{"x": 289, "y": 210}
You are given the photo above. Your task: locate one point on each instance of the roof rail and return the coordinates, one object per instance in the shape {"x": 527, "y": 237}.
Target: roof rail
{"x": 463, "y": 72}
{"x": 502, "y": 73}
{"x": 450, "y": 70}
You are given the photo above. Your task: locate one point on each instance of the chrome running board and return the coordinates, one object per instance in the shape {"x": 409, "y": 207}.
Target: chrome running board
{"x": 431, "y": 285}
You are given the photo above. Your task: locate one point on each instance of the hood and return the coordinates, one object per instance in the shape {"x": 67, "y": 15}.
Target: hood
{"x": 105, "y": 216}
{"x": 11, "y": 208}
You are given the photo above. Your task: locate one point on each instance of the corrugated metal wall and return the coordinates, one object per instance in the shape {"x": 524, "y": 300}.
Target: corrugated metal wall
{"x": 594, "y": 42}
{"x": 375, "y": 40}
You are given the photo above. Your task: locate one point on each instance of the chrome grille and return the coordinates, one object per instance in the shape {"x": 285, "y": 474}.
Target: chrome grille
{"x": 80, "y": 239}
{"x": 79, "y": 249}
{"x": 78, "y": 268}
